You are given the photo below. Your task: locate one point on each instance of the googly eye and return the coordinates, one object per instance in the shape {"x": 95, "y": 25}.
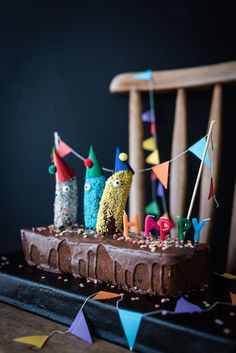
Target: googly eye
{"x": 87, "y": 187}
{"x": 66, "y": 188}
{"x": 116, "y": 183}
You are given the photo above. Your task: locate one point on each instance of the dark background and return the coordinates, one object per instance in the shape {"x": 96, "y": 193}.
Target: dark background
{"x": 57, "y": 59}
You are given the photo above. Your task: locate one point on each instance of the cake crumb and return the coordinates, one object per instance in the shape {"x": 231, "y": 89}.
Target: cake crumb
{"x": 66, "y": 280}
{"x": 219, "y": 322}
{"x": 227, "y": 331}
{"x": 81, "y": 285}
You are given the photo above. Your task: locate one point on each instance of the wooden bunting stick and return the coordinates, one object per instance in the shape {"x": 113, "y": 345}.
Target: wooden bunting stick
{"x": 200, "y": 170}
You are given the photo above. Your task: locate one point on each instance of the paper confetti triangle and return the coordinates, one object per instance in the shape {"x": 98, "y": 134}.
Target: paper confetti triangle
{"x": 80, "y": 328}
{"x": 183, "y": 306}
{"x": 144, "y": 75}
{"x": 105, "y": 295}
{"x": 153, "y": 158}
{"x": 226, "y": 275}
{"x": 160, "y": 189}
{"x": 233, "y": 298}
{"x": 149, "y": 144}
{"x": 36, "y": 341}
{"x": 153, "y": 176}
{"x": 130, "y": 321}
{"x": 153, "y": 208}
{"x": 63, "y": 149}
{"x": 153, "y": 129}
{"x": 162, "y": 172}
{"x": 198, "y": 149}
{"x": 148, "y": 116}
{"x": 211, "y": 191}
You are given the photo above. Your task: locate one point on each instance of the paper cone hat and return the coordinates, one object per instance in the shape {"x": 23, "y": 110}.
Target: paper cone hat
{"x": 119, "y": 164}
{"x": 63, "y": 171}
{"x": 95, "y": 170}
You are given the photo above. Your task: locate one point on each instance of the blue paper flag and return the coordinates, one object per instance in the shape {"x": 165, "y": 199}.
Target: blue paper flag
{"x": 183, "y": 306}
{"x": 144, "y": 75}
{"x": 130, "y": 321}
{"x": 198, "y": 149}
{"x": 148, "y": 116}
{"x": 79, "y": 328}
{"x": 160, "y": 189}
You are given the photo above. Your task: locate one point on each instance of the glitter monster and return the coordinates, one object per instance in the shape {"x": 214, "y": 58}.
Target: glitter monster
{"x": 66, "y": 195}
{"x": 114, "y": 198}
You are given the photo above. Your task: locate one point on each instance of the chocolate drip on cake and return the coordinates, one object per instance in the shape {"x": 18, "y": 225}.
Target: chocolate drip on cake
{"x": 119, "y": 262}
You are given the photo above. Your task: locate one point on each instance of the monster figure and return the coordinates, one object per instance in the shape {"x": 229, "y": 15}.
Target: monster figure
{"x": 93, "y": 189}
{"x": 115, "y": 196}
{"x": 66, "y": 197}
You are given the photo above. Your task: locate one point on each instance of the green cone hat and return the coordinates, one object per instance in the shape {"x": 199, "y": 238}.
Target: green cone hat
{"x": 95, "y": 170}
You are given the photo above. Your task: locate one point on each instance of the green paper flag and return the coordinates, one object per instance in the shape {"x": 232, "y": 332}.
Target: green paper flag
{"x": 153, "y": 209}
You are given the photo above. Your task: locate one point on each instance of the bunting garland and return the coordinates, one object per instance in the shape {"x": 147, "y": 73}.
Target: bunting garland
{"x": 130, "y": 320}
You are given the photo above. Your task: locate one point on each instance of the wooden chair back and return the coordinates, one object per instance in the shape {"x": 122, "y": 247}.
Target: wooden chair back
{"x": 179, "y": 80}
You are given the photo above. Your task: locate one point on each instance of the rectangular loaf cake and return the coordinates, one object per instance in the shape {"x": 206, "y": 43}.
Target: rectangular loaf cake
{"x": 128, "y": 263}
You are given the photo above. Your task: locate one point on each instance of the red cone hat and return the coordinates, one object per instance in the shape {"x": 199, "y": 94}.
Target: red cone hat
{"x": 63, "y": 171}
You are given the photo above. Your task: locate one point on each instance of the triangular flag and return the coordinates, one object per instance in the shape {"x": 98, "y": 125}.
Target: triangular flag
{"x": 162, "y": 172}
{"x": 149, "y": 144}
{"x": 153, "y": 209}
{"x": 130, "y": 321}
{"x": 63, "y": 149}
{"x": 211, "y": 191}
{"x": 233, "y": 298}
{"x": 160, "y": 189}
{"x": 36, "y": 341}
{"x": 183, "y": 306}
{"x": 105, "y": 295}
{"x": 226, "y": 275}
{"x": 153, "y": 158}
{"x": 144, "y": 75}
{"x": 165, "y": 215}
{"x": 79, "y": 328}
{"x": 63, "y": 171}
{"x": 198, "y": 149}
{"x": 153, "y": 176}
{"x": 148, "y": 116}
{"x": 153, "y": 129}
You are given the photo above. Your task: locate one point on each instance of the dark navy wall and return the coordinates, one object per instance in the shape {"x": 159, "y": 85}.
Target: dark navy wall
{"x": 57, "y": 59}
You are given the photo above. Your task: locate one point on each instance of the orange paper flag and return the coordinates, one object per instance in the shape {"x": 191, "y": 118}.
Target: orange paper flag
{"x": 105, "y": 295}
{"x": 233, "y": 298}
{"x": 162, "y": 172}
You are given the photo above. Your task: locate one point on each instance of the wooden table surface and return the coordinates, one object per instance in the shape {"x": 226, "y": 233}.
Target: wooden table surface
{"x": 17, "y": 323}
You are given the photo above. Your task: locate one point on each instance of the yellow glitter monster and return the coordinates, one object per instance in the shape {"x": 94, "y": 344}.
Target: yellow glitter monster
{"x": 114, "y": 197}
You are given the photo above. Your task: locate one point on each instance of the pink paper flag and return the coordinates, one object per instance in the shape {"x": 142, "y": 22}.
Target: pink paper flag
{"x": 63, "y": 149}
{"x": 79, "y": 328}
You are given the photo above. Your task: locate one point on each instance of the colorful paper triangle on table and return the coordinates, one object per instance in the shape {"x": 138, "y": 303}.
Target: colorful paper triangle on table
{"x": 35, "y": 341}
{"x": 130, "y": 321}
{"x": 102, "y": 295}
{"x": 80, "y": 328}
{"x": 233, "y": 298}
{"x": 184, "y": 306}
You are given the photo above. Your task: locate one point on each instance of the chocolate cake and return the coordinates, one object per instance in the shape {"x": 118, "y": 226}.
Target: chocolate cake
{"x": 134, "y": 263}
